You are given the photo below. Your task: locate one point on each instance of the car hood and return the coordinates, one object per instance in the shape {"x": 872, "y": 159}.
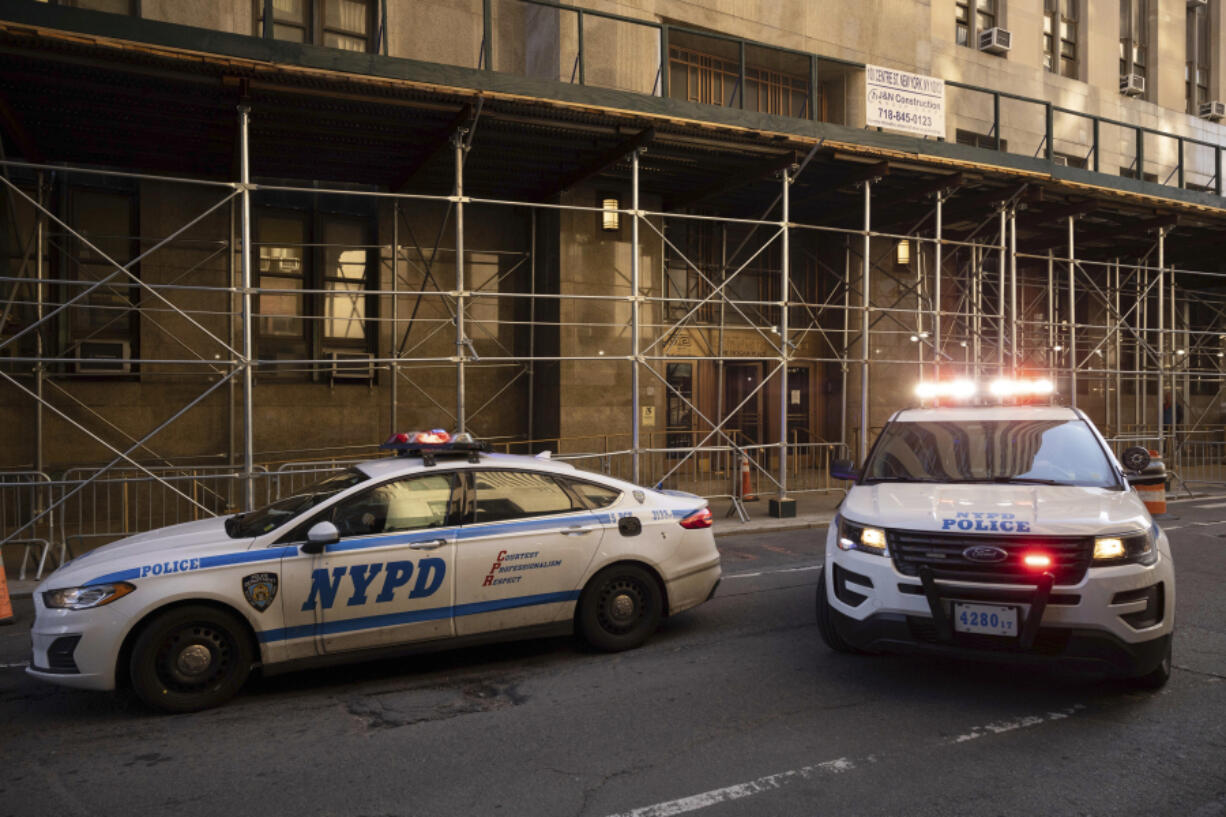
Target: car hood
{"x": 1004, "y": 509}
{"x": 163, "y": 546}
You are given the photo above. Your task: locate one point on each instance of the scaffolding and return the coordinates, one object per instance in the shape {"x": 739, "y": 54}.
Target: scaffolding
{"x": 807, "y": 288}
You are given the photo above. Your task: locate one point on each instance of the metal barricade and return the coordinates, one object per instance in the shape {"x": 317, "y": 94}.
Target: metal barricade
{"x": 27, "y": 518}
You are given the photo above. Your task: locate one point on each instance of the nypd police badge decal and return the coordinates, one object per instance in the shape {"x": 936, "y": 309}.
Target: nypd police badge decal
{"x": 260, "y": 589}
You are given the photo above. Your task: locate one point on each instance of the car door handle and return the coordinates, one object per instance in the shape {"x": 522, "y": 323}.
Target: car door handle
{"x": 577, "y": 531}
{"x": 430, "y": 545}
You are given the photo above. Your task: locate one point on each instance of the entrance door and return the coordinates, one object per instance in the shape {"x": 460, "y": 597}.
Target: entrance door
{"x": 799, "y": 430}
{"x": 740, "y": 380}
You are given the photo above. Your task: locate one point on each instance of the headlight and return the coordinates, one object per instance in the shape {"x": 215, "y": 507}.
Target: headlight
{"x": 861, "y": 537}
{"x": 84, "y": 598}
{"x": 1125, "y": 548}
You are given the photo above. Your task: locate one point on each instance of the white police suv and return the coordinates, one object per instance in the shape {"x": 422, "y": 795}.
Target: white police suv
{"x": 1001, "y": 531}
{"x": 444, "y": 545}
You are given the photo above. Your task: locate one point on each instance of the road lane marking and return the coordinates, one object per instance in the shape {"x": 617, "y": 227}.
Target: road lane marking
{"x": 773, "y": 782}
{"x": 768, "y": 572}
{"x": 770, "y": 782}
{"x": 22, "y": 665}
{"x": 1209, "y": 507}
{"x": 1000, "y": 727}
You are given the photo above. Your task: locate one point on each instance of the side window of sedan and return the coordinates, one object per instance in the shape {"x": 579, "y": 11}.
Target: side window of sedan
{"x": 597, "y": 496}
{"x": 518, "y": 494}
{"x": 423, "y": 501}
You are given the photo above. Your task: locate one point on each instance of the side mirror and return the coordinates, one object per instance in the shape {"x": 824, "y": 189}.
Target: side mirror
{"x": 1136, "y": 459}
{"x": 320, "y": 536}
{"x": 844, "y": 469}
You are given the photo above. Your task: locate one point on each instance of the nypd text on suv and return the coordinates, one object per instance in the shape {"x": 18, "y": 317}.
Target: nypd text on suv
{"x": 1001, "y": 531}
{"x": 444, "y": 545}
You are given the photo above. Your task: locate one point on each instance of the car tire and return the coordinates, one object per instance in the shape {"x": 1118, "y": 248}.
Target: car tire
{"x": 1157, "y": 677}
{"x": 620, "y": 608}
{"x": 825, "y": 618}
{"x": 191, "y": 658}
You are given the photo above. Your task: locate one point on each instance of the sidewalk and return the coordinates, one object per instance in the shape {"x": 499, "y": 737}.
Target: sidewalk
{"x": 812, "y": 511}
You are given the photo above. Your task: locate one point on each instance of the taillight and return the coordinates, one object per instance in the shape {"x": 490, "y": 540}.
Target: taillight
{"x": 698, "y": 519}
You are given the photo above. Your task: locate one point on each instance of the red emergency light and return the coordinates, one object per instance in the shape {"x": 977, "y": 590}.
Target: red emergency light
{"x": 1036, "y": 560}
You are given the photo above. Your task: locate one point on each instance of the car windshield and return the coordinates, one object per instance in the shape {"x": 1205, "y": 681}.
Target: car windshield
{"x": 1035, "y": 452}
{"x": 271, "y": 517}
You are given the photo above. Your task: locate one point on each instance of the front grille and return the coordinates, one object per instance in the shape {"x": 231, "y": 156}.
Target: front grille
{"x": 944, "y": 554}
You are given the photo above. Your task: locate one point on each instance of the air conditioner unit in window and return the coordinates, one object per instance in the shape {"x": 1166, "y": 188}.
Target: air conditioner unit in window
{"x": 1132, "y": 84}
{"x": 1059, "y": 159}
{"x": 1197, "y": 4}
{"x": 995, "y": 40}
{"x": 104, "y": 357}
{"x": 355, "y": 367}
{"x": 1213, "y": 111}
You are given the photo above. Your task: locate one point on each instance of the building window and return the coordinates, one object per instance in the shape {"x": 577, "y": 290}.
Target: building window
{"x": 706, "y": 70}
{"x": 344, "y": 24}
{"x": 1196, "y": 71}
{"x": 979, "y": 140}
{"x": 129, "y": 7}
{"x": 1060, "y": 36}
{"x": 101, "y": 328}
{"x": 314, "y": 281}
{"x": 1134, "y": 38}
{"x": 968, "y": 26}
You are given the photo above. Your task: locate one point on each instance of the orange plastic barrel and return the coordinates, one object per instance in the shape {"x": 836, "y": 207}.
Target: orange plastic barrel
{"x": 1151, "y": 484}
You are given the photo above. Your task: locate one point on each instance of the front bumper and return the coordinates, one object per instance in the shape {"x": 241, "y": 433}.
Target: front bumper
{"x": 76, "y": 648}
{"x": 1116, "y": 620}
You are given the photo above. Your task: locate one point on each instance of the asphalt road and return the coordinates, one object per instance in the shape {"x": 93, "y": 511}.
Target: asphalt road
{"x": 735, "y": 708}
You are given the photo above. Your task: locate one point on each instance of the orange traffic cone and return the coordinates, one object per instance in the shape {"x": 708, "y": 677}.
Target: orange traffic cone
{"x": 747, "y": 494}
{"x": 6, "y": 604}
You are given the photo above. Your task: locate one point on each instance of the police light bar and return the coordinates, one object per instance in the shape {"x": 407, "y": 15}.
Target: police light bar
{"x": 951, "y": 389}
{"x": 1036, "y": 387}
{"x": 433, "y": 443}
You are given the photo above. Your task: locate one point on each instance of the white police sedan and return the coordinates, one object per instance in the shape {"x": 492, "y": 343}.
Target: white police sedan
{"x": 445, "y": 543}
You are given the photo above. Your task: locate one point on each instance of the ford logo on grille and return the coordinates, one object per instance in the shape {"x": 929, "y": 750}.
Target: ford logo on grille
{"x": 985, "y": 553}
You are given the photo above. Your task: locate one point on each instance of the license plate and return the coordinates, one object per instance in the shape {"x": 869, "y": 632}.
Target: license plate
{"x": 985, "y": 619}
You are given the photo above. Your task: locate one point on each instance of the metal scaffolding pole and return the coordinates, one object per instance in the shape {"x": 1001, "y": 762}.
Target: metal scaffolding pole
{"x": 936, "y": 287}
{"x": 1013, "y": 291}
{"x": 865, "y": 321}
{"x": 1072, "y": 315}
{"x": 244, "y": 120}
{"x": 846, "y": 352}
{"x": 40, "y": 368}
{"x": 636, "y": 357}
{"x": 461, "y": 296}
{"x": 1162, "y": 341}
{"x": 1117, "y": 355}
{"x": 1053, "y": 358}
{"x": 392, "y": 367}
{"x": 785, "y": 272}
{"x": 1000, "y": 294}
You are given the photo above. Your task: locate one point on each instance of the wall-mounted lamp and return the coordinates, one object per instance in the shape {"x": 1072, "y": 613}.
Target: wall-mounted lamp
{"x": 902, "y": 253}
{"x": 610, "y": 219}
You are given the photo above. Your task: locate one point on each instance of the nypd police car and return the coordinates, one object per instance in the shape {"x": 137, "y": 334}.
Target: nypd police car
{"x": 445, "y": 544}
{"x": 1007, "y": 531}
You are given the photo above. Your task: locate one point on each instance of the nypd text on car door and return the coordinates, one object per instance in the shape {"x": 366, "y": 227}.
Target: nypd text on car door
{"x": 387, "y": 580}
